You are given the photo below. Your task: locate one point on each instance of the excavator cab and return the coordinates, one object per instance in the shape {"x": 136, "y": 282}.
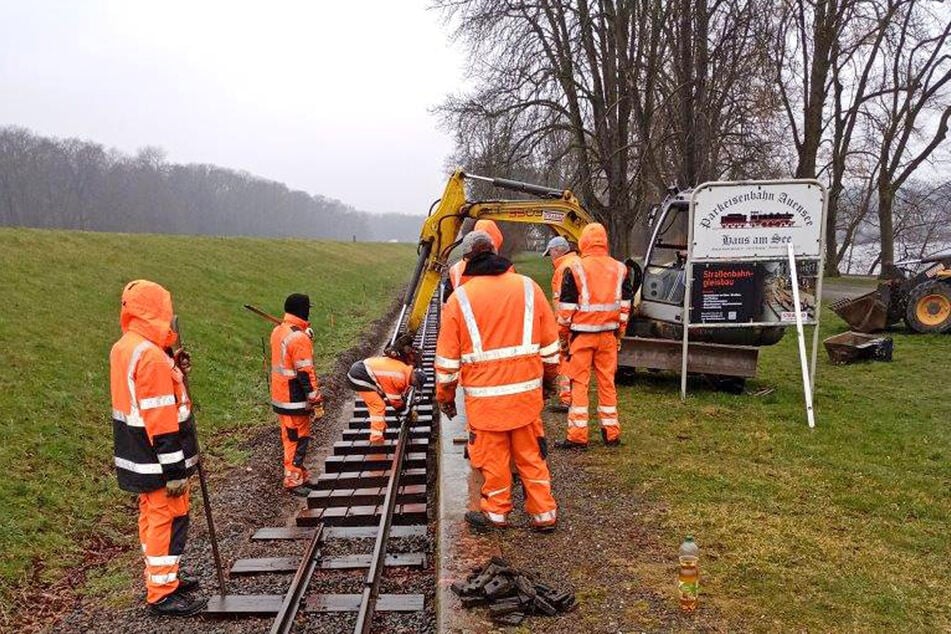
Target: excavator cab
{"x": 663, "y": 285}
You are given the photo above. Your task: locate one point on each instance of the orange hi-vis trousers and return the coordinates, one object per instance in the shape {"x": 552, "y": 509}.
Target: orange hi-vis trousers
{"x": 491, "y": 452}
{"x": 163, "y": 528}
{"x": 600, "y": 350}
{"x": 564, "y": 384}
{"x": 376, "y": 408}
{"x": 295, "y": 436}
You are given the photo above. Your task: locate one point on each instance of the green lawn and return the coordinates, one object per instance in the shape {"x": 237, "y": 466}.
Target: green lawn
{"x": 841, "y": 528}
{"x": 60, "y": 316}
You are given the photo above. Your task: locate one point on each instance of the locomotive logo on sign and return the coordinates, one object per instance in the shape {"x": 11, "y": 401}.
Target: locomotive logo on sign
{"x": 756, "y": 219}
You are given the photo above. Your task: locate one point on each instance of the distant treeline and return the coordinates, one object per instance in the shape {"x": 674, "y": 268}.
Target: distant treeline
{"x": 75, "y": 184}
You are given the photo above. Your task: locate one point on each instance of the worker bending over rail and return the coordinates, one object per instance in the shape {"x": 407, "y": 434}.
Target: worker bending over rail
{"x": 499, "y": 341}
{"x": 295, "y": 390}
{"x": 562, "y": 256}
{"x": 593, "y": 308}
{"x": 153, "y": 431}
{"x": 457, "y": 276}
{"x": 386, "y": 380}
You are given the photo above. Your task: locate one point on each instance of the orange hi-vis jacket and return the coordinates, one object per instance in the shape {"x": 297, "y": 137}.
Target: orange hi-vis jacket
{"x": 152, "y": 425}
{"x": 596, "y": 292}
{"x": 560, "y": 265}
{"x": 390, "y": 378}
{"x": 293, "y": 379}
{"x": 498, "y": 339}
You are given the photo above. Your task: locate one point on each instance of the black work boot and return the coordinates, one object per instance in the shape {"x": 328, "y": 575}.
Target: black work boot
{"x": 178, "y": 604}
{"x": 480, "y": 522}
{"x": 187, "y": 583}
{"x": 301, "y": 490}
{"x": 567, "y": 444}
{"x": 544, "y": 528}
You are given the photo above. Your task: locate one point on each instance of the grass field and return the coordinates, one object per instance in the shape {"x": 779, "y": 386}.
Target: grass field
{"x": 60, "y": 316}
{"x": 842, "y": 528}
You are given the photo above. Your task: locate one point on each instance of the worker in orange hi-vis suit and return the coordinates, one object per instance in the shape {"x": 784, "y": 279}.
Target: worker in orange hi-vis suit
{"x": 382, "y": 381}
{"x": 562, "y": 256}
{"x": 593, "y": 309}
{"x": 456, "y": 276}
{"x": 295, "y": 390}
{"x": 155, "y": 443}
{"x": 498, "y": 340}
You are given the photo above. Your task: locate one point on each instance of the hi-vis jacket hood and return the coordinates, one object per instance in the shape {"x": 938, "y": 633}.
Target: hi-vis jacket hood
{"x": 147, "y": 310}
{"x": 493, "y": 230}
{"x": 594, "y": 240}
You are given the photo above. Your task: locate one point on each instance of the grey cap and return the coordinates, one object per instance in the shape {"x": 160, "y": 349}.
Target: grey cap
{"x": 477, "y": 242}
{"x": 555, "y": 243}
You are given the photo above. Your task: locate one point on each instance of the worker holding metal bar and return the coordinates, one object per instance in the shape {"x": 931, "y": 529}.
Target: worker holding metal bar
{"x": 154, "y": 439}
{"x": 498, "y": 340}
{"x": 457, "y": 276}
{"x": 562, "y": 256}
{"x": 593, "y": 309}
{"x": 382, "y": 381}
{"x": 295, "y": 390}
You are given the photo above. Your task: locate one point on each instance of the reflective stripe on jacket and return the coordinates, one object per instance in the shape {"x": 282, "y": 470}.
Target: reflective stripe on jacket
{"x": 455, "y": 274}
{"x": 293, "y": 379}
{"x": 390, "y": 378}
{"x": 595, "y": 293}
{"x": 152, "y": 427}
{"x": 498, "y": 340}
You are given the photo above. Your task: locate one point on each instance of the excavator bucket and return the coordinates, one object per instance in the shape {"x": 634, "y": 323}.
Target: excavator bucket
{"x": 865, "y": 313}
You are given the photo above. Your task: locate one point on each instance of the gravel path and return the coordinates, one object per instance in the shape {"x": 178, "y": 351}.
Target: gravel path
{"x": 245, "y": 498}
{"x": 600, "y": 551}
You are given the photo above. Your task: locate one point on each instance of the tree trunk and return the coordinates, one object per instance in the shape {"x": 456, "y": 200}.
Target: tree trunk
{"x": 886, "y": 225}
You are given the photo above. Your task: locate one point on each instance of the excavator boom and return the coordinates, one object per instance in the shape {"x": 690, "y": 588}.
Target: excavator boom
{"x": 559, "y": 209}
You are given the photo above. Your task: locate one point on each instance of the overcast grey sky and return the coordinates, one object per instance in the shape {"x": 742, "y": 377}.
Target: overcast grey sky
{"x": 331, "y": 97}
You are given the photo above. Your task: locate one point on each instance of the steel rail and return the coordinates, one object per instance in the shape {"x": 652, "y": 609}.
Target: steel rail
{"x": 305, "y": 572}
{"x": 371, "y": 587}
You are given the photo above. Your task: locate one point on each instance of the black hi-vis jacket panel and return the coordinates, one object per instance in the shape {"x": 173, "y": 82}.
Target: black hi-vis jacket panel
{"x": 143, "y": 465}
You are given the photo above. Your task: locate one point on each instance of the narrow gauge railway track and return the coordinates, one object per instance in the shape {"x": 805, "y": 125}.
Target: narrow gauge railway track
{"x": 366, "y": 492}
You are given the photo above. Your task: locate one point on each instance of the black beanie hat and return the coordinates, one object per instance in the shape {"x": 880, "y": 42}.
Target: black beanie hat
{"x": 298, "y": 305}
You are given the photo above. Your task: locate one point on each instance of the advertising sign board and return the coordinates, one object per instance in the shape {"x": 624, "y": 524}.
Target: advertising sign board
{"x": 754, "y": 260}
{"x": 757, "y": 220}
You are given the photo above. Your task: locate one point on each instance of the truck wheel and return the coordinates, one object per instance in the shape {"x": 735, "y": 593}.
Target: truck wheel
{"x": 929, "y": 307}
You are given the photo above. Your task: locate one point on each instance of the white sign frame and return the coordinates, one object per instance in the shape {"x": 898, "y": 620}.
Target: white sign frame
{"x": 811, "y": 248}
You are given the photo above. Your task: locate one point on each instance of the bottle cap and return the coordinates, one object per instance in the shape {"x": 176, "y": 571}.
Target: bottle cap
{"x": 689, "y": 538}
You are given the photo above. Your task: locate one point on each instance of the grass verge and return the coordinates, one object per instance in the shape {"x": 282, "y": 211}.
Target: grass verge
{"x": 841, "y": 528}
{"x": 59, "y": 318}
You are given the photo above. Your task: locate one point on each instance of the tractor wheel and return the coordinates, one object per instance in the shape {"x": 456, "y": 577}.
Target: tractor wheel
{"x": 929, "y": 307}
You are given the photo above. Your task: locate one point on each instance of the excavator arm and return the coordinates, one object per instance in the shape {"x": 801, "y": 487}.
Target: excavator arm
{"x": 559, "y": 209}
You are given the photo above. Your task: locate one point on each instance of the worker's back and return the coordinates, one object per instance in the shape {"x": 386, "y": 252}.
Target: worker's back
{"x": 502, "y": 327}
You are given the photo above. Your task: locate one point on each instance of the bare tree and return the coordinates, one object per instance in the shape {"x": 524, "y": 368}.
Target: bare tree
{"x": 910, "y": 120}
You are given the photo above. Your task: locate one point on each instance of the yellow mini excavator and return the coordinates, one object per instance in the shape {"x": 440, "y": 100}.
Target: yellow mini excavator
{"x": 648, "y": 344}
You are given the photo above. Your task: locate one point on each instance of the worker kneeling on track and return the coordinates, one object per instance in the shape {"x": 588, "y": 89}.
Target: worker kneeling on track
{"x": 295, "y": 390}
{"x": 498, "y": 340}
{"x": 593, "y": 309}
{"x": 382, "y": 381}
{"x": 156, "y": 449}
{"x": 562, "y": 256}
